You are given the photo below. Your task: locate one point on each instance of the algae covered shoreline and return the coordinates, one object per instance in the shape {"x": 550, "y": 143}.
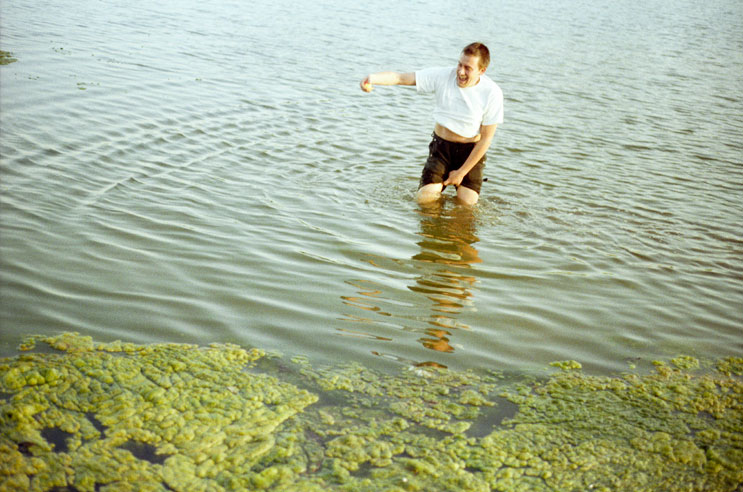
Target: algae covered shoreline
{"x": 90, "y": 416}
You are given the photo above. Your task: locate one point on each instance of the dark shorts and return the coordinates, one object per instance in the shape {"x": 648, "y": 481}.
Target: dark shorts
{"x": 444, "y": 157}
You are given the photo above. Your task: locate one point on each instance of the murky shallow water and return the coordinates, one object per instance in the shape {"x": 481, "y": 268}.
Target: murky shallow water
{"x": 211, "y": 172}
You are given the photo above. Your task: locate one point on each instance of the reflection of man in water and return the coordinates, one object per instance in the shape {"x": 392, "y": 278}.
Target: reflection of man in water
{"x": 469, "y": 106}
{"x": 445, "y": 281}
{"x": 446, "y": 241}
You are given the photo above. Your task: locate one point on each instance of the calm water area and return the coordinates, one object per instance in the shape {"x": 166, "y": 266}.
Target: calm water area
{"x": 204, "y": 172}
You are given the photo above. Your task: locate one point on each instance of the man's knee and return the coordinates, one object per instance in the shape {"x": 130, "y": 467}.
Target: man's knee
{"x": 467, "y": 196}
{"x": 429, "y": 192}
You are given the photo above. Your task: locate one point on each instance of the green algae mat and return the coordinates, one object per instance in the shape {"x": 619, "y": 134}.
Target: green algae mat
{"x": 84, "y": 416}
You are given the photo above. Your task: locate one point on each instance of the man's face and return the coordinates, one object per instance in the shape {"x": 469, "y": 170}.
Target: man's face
{"x": 468, "y": 71}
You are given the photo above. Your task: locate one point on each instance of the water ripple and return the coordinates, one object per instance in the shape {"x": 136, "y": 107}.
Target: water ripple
{"x": 212, "y": 172}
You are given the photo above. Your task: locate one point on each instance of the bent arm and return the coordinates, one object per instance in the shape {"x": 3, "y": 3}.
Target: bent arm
{"x": 487, "y": 132}
{"x": 388, "y": 78}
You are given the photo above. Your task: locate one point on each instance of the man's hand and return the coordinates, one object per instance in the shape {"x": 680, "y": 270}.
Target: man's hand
{"x": 366, "y": 85}
{"x": 455, "y": 178}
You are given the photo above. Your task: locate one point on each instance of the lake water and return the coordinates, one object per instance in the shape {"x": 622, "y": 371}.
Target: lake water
{"x": 210, "y": 171}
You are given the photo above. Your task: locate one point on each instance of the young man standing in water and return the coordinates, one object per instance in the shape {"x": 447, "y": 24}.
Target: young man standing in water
{"x": 469, "y": 107}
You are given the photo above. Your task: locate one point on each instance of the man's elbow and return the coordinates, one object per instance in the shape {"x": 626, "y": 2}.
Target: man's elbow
{"x": 407, "y": 78}
{"x": 487, "y": 132}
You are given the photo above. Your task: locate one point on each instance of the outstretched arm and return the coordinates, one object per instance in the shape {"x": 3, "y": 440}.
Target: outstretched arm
{"x": 387, "y": 78}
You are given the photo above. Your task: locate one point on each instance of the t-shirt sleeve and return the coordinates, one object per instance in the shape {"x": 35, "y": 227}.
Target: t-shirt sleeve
{"x": 425, "y": 80}
{"x": 493, "y": 114}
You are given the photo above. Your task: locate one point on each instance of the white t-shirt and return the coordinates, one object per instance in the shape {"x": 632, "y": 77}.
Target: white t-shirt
{"x": 461, "y": 110}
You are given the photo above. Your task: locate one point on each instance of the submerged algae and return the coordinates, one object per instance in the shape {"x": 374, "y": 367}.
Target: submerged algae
{"x": 673, "y": 430}
{"x": 176, "y": 417}
{"x": 6, "y": 58}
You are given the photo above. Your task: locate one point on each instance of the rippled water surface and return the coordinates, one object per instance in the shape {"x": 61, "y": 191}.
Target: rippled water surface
{"x": 210, "y": 171}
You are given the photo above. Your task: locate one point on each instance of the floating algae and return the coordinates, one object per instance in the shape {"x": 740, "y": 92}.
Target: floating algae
{"x": 174, "y": 416}
{"x": 6, "y": 58}
{"x": 179, "y": 417}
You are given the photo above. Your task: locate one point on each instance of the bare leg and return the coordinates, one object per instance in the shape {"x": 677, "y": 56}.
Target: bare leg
{"x": 467, "y": 196}
{"x": 430, "y": 193}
